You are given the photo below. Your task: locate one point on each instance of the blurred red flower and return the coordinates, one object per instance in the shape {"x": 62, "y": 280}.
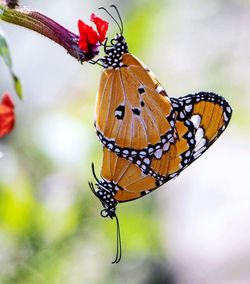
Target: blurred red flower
{"x": 89, "y": 39}
{"x": 7, "y": 115}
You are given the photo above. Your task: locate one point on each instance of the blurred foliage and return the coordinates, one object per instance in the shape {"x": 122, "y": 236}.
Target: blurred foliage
{"x": 5, "y": 54}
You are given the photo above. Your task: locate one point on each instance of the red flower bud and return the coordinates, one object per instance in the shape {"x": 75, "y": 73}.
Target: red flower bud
{"x": 7, "y": 115}
{"x": 89, "y": 39}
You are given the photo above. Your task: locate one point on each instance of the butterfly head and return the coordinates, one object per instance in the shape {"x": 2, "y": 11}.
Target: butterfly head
{"x": 105, "y": 192}
{"x": 113, "y": 53}
{"x": 117, "y": 46}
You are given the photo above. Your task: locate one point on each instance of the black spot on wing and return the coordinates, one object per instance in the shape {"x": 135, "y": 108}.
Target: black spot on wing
{"x": 136, "y": 111}
{"x": 141, "y": 90}
{"x": 120, "y": 112}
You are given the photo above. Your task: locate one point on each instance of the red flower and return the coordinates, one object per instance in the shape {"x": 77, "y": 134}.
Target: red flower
{"x": 7, "y": 115}
{"x": 102, "y": 26}
{"x": 89, "y": 39}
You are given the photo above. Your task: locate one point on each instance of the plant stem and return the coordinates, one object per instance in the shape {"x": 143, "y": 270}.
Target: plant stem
{"x": 43, "y": 25}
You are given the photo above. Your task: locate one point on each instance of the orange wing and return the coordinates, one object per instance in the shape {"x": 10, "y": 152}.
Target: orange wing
{"x": 134, "y": 115}
{"x": 209, "y": 113}
{"x": 127, "y": 180}
{"x": 201, "y": 119}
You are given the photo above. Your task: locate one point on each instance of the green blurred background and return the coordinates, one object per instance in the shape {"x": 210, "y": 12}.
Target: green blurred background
{"x": 195, "y": 229}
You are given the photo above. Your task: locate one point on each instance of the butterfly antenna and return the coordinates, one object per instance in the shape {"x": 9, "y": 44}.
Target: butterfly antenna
{"x": 92, "y": 187}
{"x": 119, "y": 26}
{"x": 93, "y": 171}
{"x": 118, "y": 242}
{"x": 119, "y": 16}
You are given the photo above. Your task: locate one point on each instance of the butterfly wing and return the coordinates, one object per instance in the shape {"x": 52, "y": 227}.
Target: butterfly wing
{"x": 126, "y": 178}
{"x": 134, "y": 115}
{"x": 206, "y": 116}
{"x": 209, "y": 114}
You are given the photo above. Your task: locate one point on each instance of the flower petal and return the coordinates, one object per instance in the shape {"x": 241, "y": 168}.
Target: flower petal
{"x": 7, "y": 101}
{"x": 88, "y": 37}
{"x": 101, "y": 25}
{"x": 7, "y": 115}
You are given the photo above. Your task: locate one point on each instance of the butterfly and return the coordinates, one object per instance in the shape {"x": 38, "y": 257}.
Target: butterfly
{"x": 148, "y": 137}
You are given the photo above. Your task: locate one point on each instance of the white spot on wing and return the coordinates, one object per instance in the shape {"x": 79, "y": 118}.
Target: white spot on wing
{"x": 172, "y": 123}
{"x": 172, "y": 175}
{"x": 159, "y": 89}
{"x": 166, "y": 146}
{"x": 225, "y": 117}
{"x": 150, "y": 150}
{"x": 199, "y": 135}
{"x": 196, "y": 119}
{"x": 110, "y": 146}
{"x": 203, "y": 142}
{"x": 188, "y": 108}
{"x": 158, "y": 154}
{"x": 199, "y": 152}
{"x": 200, "y": 144}
{"x": 118, "y": 113}
{"x": 182, "y": 115}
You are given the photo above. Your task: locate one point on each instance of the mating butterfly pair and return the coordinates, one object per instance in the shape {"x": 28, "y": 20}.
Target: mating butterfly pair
{"x": 148, "y": 137}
